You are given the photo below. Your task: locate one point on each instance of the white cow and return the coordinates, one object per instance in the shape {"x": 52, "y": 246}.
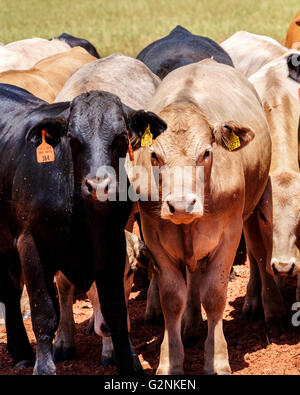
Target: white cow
{"x": 249, "y": 52}
{"x": 23, "y": 54}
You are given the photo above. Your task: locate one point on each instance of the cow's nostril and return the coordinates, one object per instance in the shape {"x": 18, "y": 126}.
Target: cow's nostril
{"x": 274, "y": 269}
{"x": 193, "y": 202}
{"x": 290, "y": 272}
{"x": 171, "y": 208}
{"x": 89, "y": 186}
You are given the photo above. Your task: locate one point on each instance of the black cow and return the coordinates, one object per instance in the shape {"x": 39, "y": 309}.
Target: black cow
{"x": 178, "y": 48}
{"x": 50, "y": 218}
{"x": 79, "y": 42}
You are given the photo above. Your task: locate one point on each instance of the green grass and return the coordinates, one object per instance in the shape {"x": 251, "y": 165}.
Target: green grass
{"x": 127, "y": 26}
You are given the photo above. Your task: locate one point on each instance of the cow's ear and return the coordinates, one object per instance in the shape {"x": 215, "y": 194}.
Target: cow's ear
{"x": 232, "y": 135}
{"x": 293, "y": 62}
{"x": 297, "y": 21}
{"x": 55, "y": 128}
{"x": 138, "y": 121}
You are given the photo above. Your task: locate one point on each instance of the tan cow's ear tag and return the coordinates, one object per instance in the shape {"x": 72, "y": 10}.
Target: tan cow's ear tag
{"x": 45, "y": 152}
{"x": 147, "y": 137}
{"x": 234, "y": 142}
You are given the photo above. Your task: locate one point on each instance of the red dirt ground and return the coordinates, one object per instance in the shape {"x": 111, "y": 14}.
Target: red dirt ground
{"x": 251, "y": 351}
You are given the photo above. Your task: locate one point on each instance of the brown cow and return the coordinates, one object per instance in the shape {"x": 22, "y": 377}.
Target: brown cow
{"x": 279, "y": 95}
{"x": 293, "y": 33}
{"x": 206, "y": 105}
{"x": 48, "y": 76}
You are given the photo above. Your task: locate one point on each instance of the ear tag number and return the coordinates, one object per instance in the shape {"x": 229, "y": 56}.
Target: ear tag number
{"x": 45, "y": 152}
{"x": 234, "y": 142}
{"x": 146, "y": 140}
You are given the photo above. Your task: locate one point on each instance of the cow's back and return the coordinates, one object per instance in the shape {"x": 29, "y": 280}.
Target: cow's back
{"x": 250, "y": 52}
{"x": 121, "y": 75}
{"x": 179, "y": 48}
{"x": 35, "y": 49}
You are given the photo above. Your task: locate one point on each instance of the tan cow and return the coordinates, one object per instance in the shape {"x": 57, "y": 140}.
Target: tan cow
{"x": 249, "y": 52}
{"x": 210, "y": 109}
{"x": 46, "y": 79}
{"x": 280, "y": 98}
{"x": 279, "y": 65}
{"x": 135, "y": 85}
{"x": 35, "y": 49}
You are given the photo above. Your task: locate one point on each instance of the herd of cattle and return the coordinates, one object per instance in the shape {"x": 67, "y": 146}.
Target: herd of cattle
{"x": 231, "y": 109}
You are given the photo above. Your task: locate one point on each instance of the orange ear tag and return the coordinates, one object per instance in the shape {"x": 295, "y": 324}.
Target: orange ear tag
{"x": 45, "y": 152}
{"x": 130, "y": 150}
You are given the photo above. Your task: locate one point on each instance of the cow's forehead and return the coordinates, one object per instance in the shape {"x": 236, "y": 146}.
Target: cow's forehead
{"x": 97, "y": 114}
{"x": 184, "y": 136}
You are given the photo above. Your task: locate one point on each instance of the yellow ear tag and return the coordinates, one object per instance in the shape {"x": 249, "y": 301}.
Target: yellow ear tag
{"x": 234, "y": 142}
{"x": 146, "y": 140}
{"x": 44, "y": 152}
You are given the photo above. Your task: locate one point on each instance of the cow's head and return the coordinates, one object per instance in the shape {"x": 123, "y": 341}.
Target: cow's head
{"x": 187, "y": 147}
{"x": 286, "y": 224}
{"x": 97, "y": 127}
{"x": 100, "y": 128}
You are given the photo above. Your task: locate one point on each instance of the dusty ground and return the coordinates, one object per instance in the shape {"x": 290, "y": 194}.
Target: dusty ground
{"x": 251, "y": 351}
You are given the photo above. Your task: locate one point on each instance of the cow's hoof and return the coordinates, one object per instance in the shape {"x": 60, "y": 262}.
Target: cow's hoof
{"x": 189, "y": 340}
{"x": 276, "y": 327}
{"x": 252, "y": 310}
{"x": 223, "y": 370}
{"x": 107, "y": 361}
{"x": 165, "y": 371}
{"x": 61, "y": 353}
{"x": 25, "y": 363}
{"x": 44, "y": 369}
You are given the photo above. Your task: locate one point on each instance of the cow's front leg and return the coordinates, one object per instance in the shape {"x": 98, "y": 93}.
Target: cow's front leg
{"x": 64, "y": 343}
{"x": 100, "y": 327}
{"x": 153, "y": 315}
{"x": 192, "y": 317}
{"x": 258, "y": 235}
{"x": 44, "y": 314}
{"x": 213, "y": 288}
{"x": 110, "y": 286}
{"x": 173, "y": 295}
{"x": 253, "y": 308}
{"x": 17, "y": 341}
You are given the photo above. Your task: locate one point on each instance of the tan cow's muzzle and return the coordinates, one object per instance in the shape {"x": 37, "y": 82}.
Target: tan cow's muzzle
{"x": 285, "y": 266}
{"x": 182, "y": 209}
